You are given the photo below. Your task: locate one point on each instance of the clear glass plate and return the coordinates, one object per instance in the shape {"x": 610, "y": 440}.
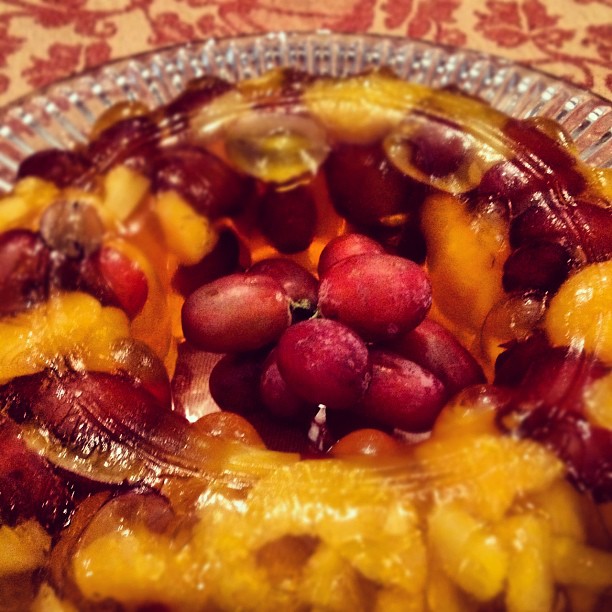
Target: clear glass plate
{"x": 62, "y": 114}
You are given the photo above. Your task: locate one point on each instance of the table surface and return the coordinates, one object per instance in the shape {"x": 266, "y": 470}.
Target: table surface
{"x": 44, "y": 40}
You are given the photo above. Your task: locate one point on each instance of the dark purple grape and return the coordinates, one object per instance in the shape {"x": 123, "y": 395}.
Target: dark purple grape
{"x": 324, "y": 362}
{"x": 202, "y": 179}
{"x": 539, "y": 266}
{"x": 297, "y": 282}
{"x": 513, "y": 363}
{"x": 405, "y": 241}
{"x": 548, "y": 159}
{"x": 368, "y": 190}
{"x": 379, "y": 296}
{"x": 288, "y": 218}
{"x": 236, "y": 313}
{"x": 132, "y": 141}
{"x": 224, "y": 259}
{"x": 402, "y": 394}
{"x": 434, "y": 348}
{"x": 278, "y": 398}
{"x": 438, "y": 148}
{"x": 24, "y": 270}
{"x": 29, "y": 487}
{"x": 234, "y": 382}
{"x": 344, "y": 246}
{"x": 58, "y": 166}
{"x": 197, "y": 95}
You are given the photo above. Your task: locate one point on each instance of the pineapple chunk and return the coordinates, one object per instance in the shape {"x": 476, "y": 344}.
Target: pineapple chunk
{"x": 124, "y": 190}
{"x": 48, "y": 601}
{"x": 530, "y": 586}
{"x": 28, "y": 198}
{"x": 469, "y": 552}
{"x": 443, "y": 595}
{"x": 581, "y": 565}
{"x": 189, "y": 235}
{"x": 23, "y": 548}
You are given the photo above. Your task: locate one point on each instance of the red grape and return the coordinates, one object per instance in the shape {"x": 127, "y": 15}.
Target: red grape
{"x": 433, "y": 347}
{"x": 297, "y": 282}
{"x": 288, "y": 218}
{"x": 202, "y": 179}
{"x": 24, "y": 270}
{"x": 236, "y": 313}
{"x": 379, "y": 296}
{"x": 344, "y": 246}
{"x": 234, "y": 382}
{"x": 402, "y": 394}
{"x": 58, "y": 166}
{"x": 324, "y": 362}
{"x": 29, "y": 487}
{"x": 277, "y": 397}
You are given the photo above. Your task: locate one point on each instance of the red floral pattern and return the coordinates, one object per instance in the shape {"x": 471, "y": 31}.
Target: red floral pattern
{"x": 43, "y": 40}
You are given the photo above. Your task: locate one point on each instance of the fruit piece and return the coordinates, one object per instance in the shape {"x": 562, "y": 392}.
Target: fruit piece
{"x": 234, "y": 382}
{"x": 72, "y": 228}
{"x": 277, "y": 397}
{"x": 344, "y": 246}
{"x": 370, "y": 442}
{"x": 530, "y": 581}
{"x": 368, "y": 191}
{"x": 466, "y": 251}
{"x": 324, "y": 362}
{"x": 24, "y": 270}
{"x": 434, "y": 348}
{"x": 539, "y": 266}
{"x": 230, "y": 426}
{"x": 198, "y": 94}
{"x": 597, "y": 408}
{"x": 379, "y": 296}
{"x": 288, "y": 218}
{"x": 402, "y": 394}
{"x": 581, "y": 565}
{"x": 46, "y": 497}
{"x": 202, "y": 179}
{"x": 470, "y": 553}
{"x": 124, "y": 190}
{"x": 132, "y": 141}
{"x": 56, "y": 166}
{"x": 23, "y": 548}
{"x": 236, "y": 313}
{"x": 189, "y": 235}
{"x": 276, "y": 147}
{"x": 362, "y": 108}
{"x": 581, "y": 311}
{"x": 299, "y": 284}
{"x": 72, "y": 325}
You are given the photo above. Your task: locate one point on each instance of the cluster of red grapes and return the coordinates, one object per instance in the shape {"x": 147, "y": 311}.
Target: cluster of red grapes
{"x": 355, "y": 341}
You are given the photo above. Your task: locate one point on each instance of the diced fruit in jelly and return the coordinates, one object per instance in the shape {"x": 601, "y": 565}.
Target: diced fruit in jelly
{"x": 189, "y": 235}
{"x": 124, "y": 190}
{"x": 324, "y": 362}
{"x": 379, "y": 296}
{"x": 581, "y": 311}
{"x": 23, "y": 548}
{"x": 466, "y": 251}
{"x": 238, "y": 312}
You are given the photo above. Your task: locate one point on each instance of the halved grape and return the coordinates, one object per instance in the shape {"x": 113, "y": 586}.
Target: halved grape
{"x": 288, "y": 218}
{"x": 379, "y": 296}
{"x": 229, "y": 426}
{"x": 24, "y": 270}
{"x": 324, "y": 362}
{"x": 402, "y": 394}
{"x": 236, "y": 313}
{"x": 371, "y": 442}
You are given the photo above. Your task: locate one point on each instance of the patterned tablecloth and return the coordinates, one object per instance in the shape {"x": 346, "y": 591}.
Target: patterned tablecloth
{"x": 44, "y": 40}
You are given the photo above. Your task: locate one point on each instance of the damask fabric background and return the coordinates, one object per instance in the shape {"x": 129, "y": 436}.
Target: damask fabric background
{"x": 44, "y": 40}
